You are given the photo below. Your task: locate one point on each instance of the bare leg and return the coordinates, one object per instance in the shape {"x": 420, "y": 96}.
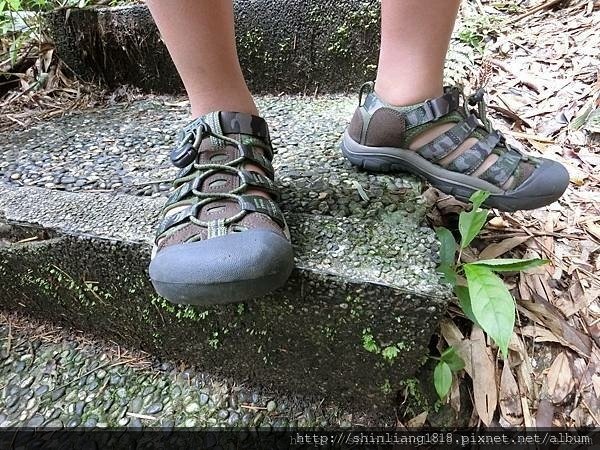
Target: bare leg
{"x": 200, "y": 37}
{"x": 201, "y": 40}
{"x": 414, "y": 40}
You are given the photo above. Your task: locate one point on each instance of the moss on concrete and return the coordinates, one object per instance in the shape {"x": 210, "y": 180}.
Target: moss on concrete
{"x": 292, "y": 46}
{"x": 297, "y": 340}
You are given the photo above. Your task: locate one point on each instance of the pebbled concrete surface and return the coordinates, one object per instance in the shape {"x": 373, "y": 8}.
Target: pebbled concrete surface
{"x": 52, "y": 380}
{"x": 125, "y": 149}
{"x": 365, "y": 262}
{"x": 290, "y": 46}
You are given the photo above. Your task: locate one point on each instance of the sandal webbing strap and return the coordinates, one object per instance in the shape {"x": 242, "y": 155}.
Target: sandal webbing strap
{"x": 252, "y": 203}
{"x": 177, "y": 219}
{"x": 501, "y": 171}
{"x": 433, "y": 109}
{"x": 248, "y": 203}
{"x": 449, "y": 141}
{"x": 245, "y": 151}
{"x": 469, "y": 161}
{"x": 257, "y": 180}
{"x": 192, "y": 194}
{"x": 216, "y": 228}
{"x": 264, "y": 162}
{"x": 239, "y": 123}
{"x": 247, "y": 178}
{"x": 232, "y": 123}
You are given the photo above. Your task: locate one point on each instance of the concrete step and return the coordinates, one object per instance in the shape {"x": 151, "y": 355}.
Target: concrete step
{"x": 291, "y": 46}
{"x": 52, "y": 379}
{"x": 88, "y": 188}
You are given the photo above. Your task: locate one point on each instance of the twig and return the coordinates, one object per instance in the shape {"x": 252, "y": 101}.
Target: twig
{"x": 24, "y": 241}
{"x": 9, "y": 337}
{"x": 541, "y": 7}
{"x": 520, "y": 78}
{"x": 142, "y": 416}
{"x": 107, "y": 365}
{"x": 590, "y": 411}
{"x": 533, "y": 137}
{"x": 9, "y": 117}
{"x": 510, "y": 115}
{"x": 537, "y": 234}
{"x": 103, "y": 387}
{"x": 253, "y": 408}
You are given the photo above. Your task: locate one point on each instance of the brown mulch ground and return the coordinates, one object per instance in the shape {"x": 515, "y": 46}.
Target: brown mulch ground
{"x": 540, "y": 63}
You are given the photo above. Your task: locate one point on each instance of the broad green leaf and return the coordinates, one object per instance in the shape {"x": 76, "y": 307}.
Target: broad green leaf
{"x": 442, "y": 379}
{"x": 447, "y": 247}
{"x": 450, "y": 357}
{"x": 511, "y": 265}
{"x": 470, "y": 224}
{"x": 478, "y": 198}
{"x": 462, "y": 293}
{"x": 449, "y": 274}
{"x": 492, "y": 304}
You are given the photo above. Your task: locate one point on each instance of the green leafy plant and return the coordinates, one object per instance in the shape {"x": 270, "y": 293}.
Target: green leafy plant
{"x": 20, "y": 18}
{"x": 389, "y": 352}
{"x": 481, "y": 293}
{"x": 449, "y": 364}
{"x": 369, "y": 343}
{"x": 476, "y": 28}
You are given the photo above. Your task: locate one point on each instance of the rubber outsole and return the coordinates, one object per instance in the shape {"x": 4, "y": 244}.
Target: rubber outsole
{"x": 544, "y": 187}
{"x": 227, "y": 269}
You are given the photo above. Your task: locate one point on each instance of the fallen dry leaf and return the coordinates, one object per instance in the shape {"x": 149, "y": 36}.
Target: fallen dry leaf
{"x": 526, "y": 388}
{"x": 596, "y": 384}
{"x": 455, "y": 402}
{"x": 538, "y": 284}
{"x": 594, "y": 229}
{"x": 510, "y": 398}
{"x": 495, "y": 250}
{"x": 589, "y": 398}
{"x": 544, "y": 415}
{"x": 498, "y": 222}
{"x": 450, "y": 332}
{"x": 541, "y": 312}
{"x": 516, "y": 345}
{"x": 485, "y": 389}
{"x": 560, "y": 379}
{"x": 539, "y": 334}
{"x": 418, "y": 421}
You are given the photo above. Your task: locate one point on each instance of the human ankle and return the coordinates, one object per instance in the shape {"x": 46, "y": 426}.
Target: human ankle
{"x": 407, "y": 94}
{"x": 225, "y": 100}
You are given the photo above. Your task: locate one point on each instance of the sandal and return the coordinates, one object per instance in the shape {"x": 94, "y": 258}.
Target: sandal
{"x": 380, "y": 135}
{"x": 223, "y": 238}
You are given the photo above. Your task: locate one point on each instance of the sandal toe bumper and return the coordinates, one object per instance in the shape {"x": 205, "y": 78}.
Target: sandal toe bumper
{"x": 544, "y": 186}
{"x": 226, "y": 269}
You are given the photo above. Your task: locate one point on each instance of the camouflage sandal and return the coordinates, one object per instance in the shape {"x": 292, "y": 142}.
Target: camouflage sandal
{"x": 219, "y": 242}
{"x": 380, "y": 135}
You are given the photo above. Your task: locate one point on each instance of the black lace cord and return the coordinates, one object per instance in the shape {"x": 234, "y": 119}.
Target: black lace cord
{"x": 203, "y": 171}
{"x": 478, "y": 99}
